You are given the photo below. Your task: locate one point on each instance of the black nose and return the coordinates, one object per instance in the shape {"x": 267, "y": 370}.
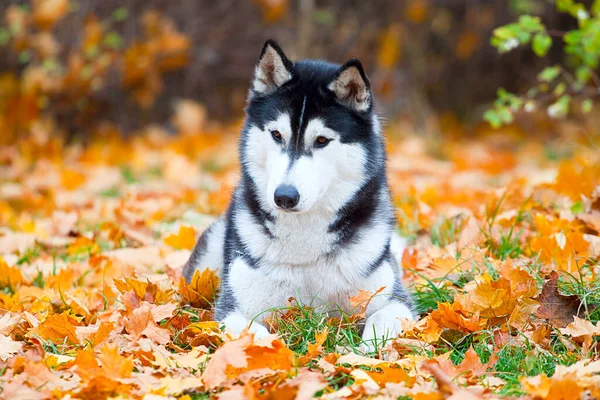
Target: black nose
{"x": 286, "y": 197}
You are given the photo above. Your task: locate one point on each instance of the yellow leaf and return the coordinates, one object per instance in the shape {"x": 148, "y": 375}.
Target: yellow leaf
{"x": 71, "y": 179}
{"x": 10, "y": 277}
{"x": 56, "y": 328}
{"x": 184, "y": 239}
{"x": 200, "y": 292}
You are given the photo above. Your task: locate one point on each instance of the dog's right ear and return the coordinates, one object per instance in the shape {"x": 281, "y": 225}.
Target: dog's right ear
{"x": 272, "y": 70}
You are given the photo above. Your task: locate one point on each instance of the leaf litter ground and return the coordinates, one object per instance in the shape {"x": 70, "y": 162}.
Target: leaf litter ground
{"x": 503, "y": 266}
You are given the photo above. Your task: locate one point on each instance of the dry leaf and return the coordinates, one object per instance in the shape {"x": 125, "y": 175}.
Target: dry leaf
{"x": 201, "y": 290}
{"x": 559, "y": 309}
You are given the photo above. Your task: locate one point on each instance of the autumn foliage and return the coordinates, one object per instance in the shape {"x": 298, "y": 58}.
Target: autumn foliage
{"x": 503, "y": 261}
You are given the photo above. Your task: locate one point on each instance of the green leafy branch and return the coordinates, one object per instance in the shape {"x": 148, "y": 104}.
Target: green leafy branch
{"x": 560, "y": 87}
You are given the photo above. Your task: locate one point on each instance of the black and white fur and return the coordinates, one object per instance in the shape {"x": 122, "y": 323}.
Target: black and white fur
{"x": 307, "y": 220}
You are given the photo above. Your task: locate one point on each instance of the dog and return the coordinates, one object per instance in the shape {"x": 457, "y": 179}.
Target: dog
{"x": 311, "y": 217}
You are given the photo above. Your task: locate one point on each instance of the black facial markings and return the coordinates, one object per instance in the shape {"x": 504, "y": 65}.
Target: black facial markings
{"x": 300, "y": 129}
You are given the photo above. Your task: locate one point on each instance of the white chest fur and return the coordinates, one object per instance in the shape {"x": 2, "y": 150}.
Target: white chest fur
{"x": 300, "y": 260}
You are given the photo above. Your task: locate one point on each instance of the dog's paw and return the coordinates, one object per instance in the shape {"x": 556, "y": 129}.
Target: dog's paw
{"x": 384, "y": 326}
{"x": 259, "y": 331}
{"x": 235, "y": 324}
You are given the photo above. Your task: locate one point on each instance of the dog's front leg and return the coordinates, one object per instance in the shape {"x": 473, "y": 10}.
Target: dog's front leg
{"x": 240, "y": 302}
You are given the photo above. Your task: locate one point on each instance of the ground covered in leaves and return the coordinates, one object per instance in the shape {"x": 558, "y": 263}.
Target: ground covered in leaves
{"x": 503, "y": 265}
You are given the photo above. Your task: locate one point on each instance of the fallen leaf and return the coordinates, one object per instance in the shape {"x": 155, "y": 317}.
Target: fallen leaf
{"x": 360, "y": 301}
{"x": 558, "y": 309}
{"x": 453, "y": 316}
{"x": 184, "y": 239}
{"x": 57, "y": 328}
{"x": 8, "y": 347}
{"x": 201, "y": 290}
{"x": 581, "y": 327}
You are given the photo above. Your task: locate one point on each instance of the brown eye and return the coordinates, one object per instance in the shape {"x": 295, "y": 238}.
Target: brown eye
{"x": 321, "y": 141}
{"x": 276, "y": 136}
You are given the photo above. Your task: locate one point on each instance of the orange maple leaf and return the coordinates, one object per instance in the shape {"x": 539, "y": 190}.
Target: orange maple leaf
{"x": 453, "y": 316}
{"x": 113, "y": 364}
{"x": 56, "y": 328}
{"x": 491, "y": 299}
{"x": 361, "y": 301}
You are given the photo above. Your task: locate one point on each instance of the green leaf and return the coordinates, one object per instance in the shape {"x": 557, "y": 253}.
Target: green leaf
{"x": 549, "y": 74}
{"x": 564, "y": 5}
{"x": 560, "y": 89}
{"x": 504, "y": 32}
{"x": 492, "y": 118}
{"x": 531, "y": 24}
{"x": 586, "y": 105}
{"x": 583, "y": 74}
{"x": 577, "y": 208}
{"x": 596, "y": 8}
{"x": 541, "y": 44}
{"x": 506, "y": 115}
{"x": 560, "y": 108}
{"x": 113, "y": 40}
{"x": 573, "y": 37}
{"x": 120, "y": 14}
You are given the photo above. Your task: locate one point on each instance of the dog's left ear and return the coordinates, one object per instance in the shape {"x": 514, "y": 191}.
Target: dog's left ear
{"x": 272, "y": 70}
{"x": 351, "y": 86}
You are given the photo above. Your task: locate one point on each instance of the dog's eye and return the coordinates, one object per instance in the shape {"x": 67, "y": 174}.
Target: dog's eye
{"x": 276, "y": 136}
{"x": 322, "y": 141}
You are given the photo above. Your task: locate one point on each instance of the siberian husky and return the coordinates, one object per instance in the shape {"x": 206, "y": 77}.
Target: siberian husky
{"x": 311, "y": 217}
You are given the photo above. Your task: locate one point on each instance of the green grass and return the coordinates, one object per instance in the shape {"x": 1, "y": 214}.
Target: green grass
{"x": 515, "y": 362}
{"x": 509, "y": 245}
{"x": 112, "y": 192}
{"x": 427, "y": 297}
{"x": 445, "y": 231}
{"x": 298, "y": 325}
{"x": 29, "y": 255}
{"x": 587, "y": 289}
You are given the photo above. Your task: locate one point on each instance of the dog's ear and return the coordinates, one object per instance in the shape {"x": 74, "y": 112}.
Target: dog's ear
{"x": 351, "y": 86}
{"x": 272, "y": 70}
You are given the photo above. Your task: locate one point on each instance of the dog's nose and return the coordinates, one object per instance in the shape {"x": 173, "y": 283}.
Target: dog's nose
{"x": 286, "y": 197}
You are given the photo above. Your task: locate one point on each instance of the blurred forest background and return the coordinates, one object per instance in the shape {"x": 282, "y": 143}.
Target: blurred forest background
{"x": 73, "y": 66}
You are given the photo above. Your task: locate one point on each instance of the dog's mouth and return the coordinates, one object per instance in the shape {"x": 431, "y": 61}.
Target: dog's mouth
{"x": 287, "y": 210}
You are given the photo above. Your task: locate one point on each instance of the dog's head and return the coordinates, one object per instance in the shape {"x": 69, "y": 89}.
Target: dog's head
{"x": 311, "y": 138}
